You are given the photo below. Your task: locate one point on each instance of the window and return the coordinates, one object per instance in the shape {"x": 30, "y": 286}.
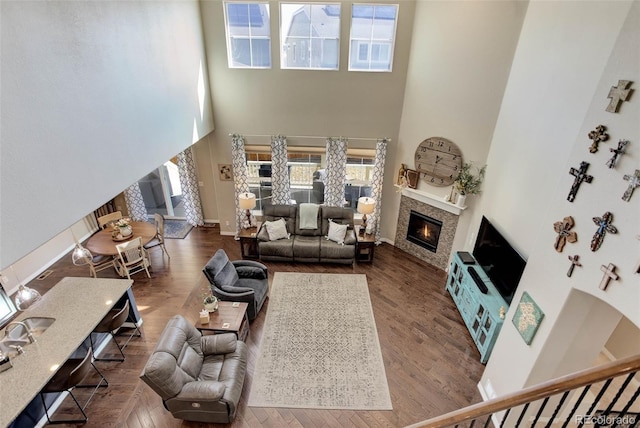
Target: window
{"x": 373, "y": 32}
{"x": 310, "y": 36}
{"x": 248, "y": 35}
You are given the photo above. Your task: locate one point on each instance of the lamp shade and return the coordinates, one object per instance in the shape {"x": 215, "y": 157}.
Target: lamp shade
{"x": 247, "y": 201}
{"x": 26, "y": 297}
{"x": 365, "y": 205}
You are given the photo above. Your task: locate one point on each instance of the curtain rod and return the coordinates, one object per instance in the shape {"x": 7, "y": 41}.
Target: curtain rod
{"x": 313, "y": 136}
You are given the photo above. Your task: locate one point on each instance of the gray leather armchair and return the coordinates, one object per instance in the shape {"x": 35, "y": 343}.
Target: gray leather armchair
{"x": 238, "y": 281}
{"x": 199, "y": 378}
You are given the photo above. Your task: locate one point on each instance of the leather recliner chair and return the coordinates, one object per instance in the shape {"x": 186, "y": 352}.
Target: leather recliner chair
{"x": 199, "y": 378}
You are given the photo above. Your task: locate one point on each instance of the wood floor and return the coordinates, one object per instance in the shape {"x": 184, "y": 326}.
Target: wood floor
{"x": 431, "y": 363}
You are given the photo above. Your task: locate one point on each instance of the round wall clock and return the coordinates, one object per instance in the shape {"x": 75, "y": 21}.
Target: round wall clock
{"x": 438, "y": 161}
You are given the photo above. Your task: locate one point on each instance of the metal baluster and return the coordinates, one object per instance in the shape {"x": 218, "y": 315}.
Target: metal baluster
{"x": 524, "y": 410}
{"x": 555, "y": 412}
{"x": 626, "y": 408}
{"x": 575, "y": 407}
{"x": 506, "y": 415}
{"x": 595, "y": 401}
{"x": 607, "y": 411}
{"x": 542, "y": 406}
{"x": 486, "y": 424}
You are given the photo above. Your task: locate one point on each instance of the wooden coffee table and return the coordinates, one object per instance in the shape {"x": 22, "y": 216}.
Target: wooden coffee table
{"x": 231, "y": 317}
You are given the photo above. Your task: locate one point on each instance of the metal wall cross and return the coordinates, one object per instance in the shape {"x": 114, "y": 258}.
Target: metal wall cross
{"x": 618, "y": 94}
{"x": 622, "y": 145}
{"x": 580, "y": 176}
{"x": 634, "y": 181}
{"x": 574, "y": 262}
{"x": 598, "y": 135}
{"x": 563, "y": 229}
{"x": 609, "y": 274}
{"x": 604, "y": 226}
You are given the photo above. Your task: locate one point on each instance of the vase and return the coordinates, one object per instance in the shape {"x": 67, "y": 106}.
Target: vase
{"x": 126, "y": 231}
{"x": 211, "y": 306}
{"x": 461, "y": 201}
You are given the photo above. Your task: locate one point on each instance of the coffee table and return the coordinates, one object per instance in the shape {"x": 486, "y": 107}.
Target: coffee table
{"x": 231, "y": 317}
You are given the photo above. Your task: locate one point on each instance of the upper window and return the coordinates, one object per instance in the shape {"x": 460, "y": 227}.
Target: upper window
{"x": 248, "y": 35}
{"x": 310, "y": 35}
{"x": 373, "y": 32}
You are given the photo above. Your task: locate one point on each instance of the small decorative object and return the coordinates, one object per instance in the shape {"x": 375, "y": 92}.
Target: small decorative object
{"x": 502, "y": 312}
{"x": 634, "y": 181}
{"x": 580, "y": 176}
{"x": 122, "y": 229}
{"x": 574, "y": 262}
{"x": 226, "y": 172}
{"x": 210, "y": 303}
{"x": 412, "y": 178}
{"x": 622, "y": 145}
{"x": 609, "y": 274}
{"x": 637, "y": 270}
{"x": 466, "y": 183}
{"x": 25, "y": 297}
{"x": 365, "y": 206}
{"x": 565, "y": 234}
{"x": 598, "y": 135}
{"x": 527, "y": 318}
{"x": 403, "y": 184}
{"x": 438, "y": 160}
{"x": 618, "y": 94}
{"x": 247, "y": 201}
{"x": 401, "y": 174}
{"x": 604, "y": 226}
{"x": 204, "y": 316}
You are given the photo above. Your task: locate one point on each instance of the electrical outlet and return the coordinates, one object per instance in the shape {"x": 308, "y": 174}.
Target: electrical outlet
{"x": 201, "y": 183}
{"x": 226, "y": 223}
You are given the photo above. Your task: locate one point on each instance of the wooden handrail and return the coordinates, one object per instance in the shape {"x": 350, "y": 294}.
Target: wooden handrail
{"x": 546, "y": 389}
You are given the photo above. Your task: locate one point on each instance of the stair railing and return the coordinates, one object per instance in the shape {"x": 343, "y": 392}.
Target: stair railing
{"x": 591, "y": 402}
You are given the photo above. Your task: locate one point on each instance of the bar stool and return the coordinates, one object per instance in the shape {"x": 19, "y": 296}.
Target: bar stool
{"x": 111, "y": 322}
{"x": 68, "y": 377}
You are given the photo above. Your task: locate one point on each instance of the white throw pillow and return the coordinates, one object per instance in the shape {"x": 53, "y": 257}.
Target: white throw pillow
{"x": 337, "y": 232}
{"x": 276, "y": 229}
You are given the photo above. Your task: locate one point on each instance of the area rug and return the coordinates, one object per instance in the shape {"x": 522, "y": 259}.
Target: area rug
{"x": 320, "y": 346}
{"x": 176, "y": 229}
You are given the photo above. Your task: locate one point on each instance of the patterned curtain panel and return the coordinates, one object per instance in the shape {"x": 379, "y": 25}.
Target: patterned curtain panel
{"x": 336, "y": 172}
{"x": 135, "y": 203}
{"x": 373, "y": 221}
{"x": 281, "y": 194}
{"x": 240, "y": 176}
{"x": 190, "y": 190}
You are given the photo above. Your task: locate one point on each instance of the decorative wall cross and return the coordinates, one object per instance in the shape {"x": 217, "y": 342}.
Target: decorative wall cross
{"x": 563, "y": 229}
{"x": 638, "y": 265}
{"x": 634, "y": 181}
{"x": 580, "y": 176}
{"x": 618, "y": 94}
{"x": 622, "y": 146}
{"x": 574, "y": 262}
{"x": 604, "y": 226}
{"x": 598, "y": 135}
{"x": 609, "y": 274}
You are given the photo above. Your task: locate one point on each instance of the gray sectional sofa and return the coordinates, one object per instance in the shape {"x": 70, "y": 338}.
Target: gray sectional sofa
{"x": 307, "y": 245}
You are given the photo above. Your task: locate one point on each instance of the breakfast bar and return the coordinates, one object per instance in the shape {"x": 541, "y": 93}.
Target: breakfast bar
{"x": 77, "y": 305}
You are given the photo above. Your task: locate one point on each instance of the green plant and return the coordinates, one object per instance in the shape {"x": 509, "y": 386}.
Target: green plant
{"x": 468, "y": 183}
{"x": 207, "y": 297}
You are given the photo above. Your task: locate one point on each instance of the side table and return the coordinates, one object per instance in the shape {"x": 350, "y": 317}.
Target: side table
{"x": 365, "y": 248}
{"x": 249, "y": 243}
{"x": 231, "y": 317}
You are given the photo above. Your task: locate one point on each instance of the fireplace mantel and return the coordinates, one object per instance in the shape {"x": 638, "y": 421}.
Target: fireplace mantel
{"x": 433, "y": 200}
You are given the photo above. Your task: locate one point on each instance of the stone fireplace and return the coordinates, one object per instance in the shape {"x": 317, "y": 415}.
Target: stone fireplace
{"x": 426, "y": 227}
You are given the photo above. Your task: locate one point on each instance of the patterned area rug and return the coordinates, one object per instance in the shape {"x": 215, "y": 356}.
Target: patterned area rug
{"x": 176, "y": 229}
{"x": 320, "y": 346}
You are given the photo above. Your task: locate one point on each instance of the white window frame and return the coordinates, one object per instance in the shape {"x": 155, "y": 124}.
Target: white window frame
{"x": 249, "y": 37}
{"x": 371, "y": 41}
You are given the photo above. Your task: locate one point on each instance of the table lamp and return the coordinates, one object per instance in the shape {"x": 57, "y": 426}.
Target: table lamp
{"x": 247, "y": 201}
{"x": 365, "y": 206}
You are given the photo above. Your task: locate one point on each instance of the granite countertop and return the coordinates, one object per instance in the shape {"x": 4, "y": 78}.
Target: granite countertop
{"x": 78, "y": 305}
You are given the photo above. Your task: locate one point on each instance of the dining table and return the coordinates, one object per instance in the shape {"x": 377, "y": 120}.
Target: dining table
{"x": 102, "y": 242}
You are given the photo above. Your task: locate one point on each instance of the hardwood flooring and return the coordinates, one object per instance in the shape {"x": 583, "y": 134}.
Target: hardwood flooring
{"x": 431, "y": 363}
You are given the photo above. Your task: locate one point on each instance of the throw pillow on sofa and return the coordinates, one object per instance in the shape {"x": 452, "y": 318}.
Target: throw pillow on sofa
{"x": 337, "y": 232}
{"x": 277, "y": 229}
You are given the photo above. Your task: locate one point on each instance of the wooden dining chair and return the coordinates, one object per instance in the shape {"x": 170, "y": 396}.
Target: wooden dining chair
{"x": 82, "y": 256}
{"x": 158, "y": 240}
{"x": 104, "y": 220}
{"x": 132, "y": 257}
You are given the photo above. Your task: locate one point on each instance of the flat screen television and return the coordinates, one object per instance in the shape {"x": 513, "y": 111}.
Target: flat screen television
{"x": 498, "y": 259}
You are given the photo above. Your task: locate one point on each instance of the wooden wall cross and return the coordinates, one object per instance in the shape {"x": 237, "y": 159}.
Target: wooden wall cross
{"x": 609, "y": 274}
{"x": 598, "y": 135}
{"x": 622, "y": 146}
{"x": 580, "y": 176}
{"x": 574, "y": 262}
{"x": 634, "y": 181}
{"x": 563, "y": 229}
{"x": 618, "y": 94}
{"x": 604, "y": 226}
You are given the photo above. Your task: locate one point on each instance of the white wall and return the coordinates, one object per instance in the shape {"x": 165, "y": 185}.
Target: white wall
{"x": 94, "y": 96}
{"x": 569, "y": 55}
{"x": 461, "y": 55}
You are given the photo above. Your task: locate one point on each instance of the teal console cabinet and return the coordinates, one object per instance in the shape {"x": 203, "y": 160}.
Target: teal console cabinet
{"x": 483, "y": 313}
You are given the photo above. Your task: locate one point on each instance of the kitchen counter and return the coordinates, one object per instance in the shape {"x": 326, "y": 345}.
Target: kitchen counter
{"x": 78, "y": 305}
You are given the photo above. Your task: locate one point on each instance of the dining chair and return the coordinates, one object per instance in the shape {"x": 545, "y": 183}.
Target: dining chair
{"x": 158, "y": 240}
{"x": 82, "y": 256}
{"x": 113, "y": 321}
{"x": 132, "y": 257}
{"x": 104, "y": 220}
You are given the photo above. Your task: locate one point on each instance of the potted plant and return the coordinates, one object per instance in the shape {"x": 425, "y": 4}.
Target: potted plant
{"x": 467, "y": 182}
{"x": 209, "y": 301}
{"x": 122, "y": 227}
